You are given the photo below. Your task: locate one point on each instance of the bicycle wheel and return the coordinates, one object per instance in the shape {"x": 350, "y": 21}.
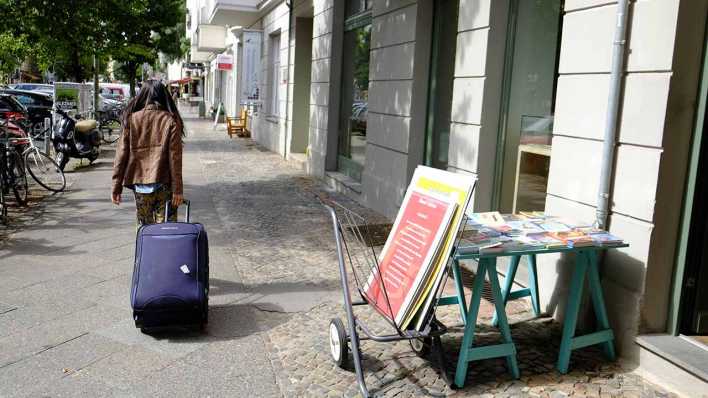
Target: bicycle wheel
{"x": 111, "y": 130}
{"x": 44, "y": 170}
{"x": 18, "y": 177}
{"x": 3, "y": 204}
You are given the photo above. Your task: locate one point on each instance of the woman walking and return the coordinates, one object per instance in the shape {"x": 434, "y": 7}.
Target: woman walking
{"x": 149, "y": 154}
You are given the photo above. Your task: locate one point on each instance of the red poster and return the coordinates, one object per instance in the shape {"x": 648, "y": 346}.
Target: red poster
{"x": 408, "y": 254}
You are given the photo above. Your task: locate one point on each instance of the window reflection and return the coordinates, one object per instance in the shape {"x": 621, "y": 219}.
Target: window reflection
{"x": 355, "y": 100}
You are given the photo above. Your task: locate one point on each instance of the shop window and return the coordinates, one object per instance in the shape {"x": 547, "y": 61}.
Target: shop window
{"x": 354, "y": 88}
{"x": 274, "y": 75}
{"x": 442, "y": 76}
{"x": 529, "y": 100}
{"x": 357, "y": 7}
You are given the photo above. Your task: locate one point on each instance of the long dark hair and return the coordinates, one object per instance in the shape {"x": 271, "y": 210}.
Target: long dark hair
{"x": 153, "y": 92}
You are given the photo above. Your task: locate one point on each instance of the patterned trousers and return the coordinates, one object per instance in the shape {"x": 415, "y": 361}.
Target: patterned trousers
{"x": 150, "y": 207}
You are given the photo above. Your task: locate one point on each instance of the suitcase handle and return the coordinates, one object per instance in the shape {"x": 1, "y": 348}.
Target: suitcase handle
{"x": 167, "y": 209}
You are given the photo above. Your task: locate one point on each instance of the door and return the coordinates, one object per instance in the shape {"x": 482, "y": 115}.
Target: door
{"x": 527, "y": 108}
{"x": 302, "y": 77}
{"x": 694, "y": 304}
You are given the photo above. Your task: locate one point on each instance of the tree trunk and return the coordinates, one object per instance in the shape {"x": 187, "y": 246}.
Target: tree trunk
{"x": 96, "y": 99}
{"x": 77, "y": 70}
{"x": 131, "y": 77}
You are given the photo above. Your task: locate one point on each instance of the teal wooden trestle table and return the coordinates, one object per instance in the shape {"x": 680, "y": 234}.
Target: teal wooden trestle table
{"x": 585, "y": 266}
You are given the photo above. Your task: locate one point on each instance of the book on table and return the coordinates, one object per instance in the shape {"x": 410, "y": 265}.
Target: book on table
{"x": 605, "y": 239}
{"x": 573, "y": 238}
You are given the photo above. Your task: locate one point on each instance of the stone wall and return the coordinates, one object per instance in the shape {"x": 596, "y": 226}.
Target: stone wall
{"x": 650, "y": 156}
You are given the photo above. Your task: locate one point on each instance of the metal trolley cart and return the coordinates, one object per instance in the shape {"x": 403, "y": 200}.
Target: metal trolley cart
{"x": 356, "y": 252}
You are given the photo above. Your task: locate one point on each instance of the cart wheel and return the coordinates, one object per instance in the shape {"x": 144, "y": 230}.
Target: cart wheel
{"x": 338, "y": 345}
{"x": 421, "y": 346}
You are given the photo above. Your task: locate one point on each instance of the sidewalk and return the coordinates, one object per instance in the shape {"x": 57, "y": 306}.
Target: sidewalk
{"x": 65, "y": 319}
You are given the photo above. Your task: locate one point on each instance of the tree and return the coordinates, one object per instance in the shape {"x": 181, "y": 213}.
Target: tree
{"x": 13, "y": 50}
{"x": 142, "y": 29}
{"x": 66, "y": 35}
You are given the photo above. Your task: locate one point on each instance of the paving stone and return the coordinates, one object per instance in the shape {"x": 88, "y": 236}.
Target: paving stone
{"x": 124, "y": 368}
{"x": 174, "y": 344}
{"x": 21, "y": 378}
{"x": 77, "y": 386}
{"x": 37, "y": 339}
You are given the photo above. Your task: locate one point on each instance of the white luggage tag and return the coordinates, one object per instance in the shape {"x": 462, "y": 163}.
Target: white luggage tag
{"x": 184, "y": 269}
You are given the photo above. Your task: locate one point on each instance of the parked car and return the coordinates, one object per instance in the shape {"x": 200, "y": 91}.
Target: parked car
{"x": 38, "y": 105}
{"x": 108, "y": 102}
{"x": 46, "y": 88}
{"x": 13, "y": 111}
{"x": 116, "y": 91}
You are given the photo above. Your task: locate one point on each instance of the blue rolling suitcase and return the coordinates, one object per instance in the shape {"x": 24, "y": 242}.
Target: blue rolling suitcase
{"x": 171, "y": 275}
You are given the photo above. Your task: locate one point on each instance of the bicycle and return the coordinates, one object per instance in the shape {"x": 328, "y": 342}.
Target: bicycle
{"x": 3, "y": 205}
{"x": 12, "y": 169}
{"x": 109, "y": 125}
{"x": 43, "y": 169}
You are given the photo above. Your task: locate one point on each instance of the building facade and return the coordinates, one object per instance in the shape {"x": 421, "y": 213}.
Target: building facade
{"x": 515, "y": 92}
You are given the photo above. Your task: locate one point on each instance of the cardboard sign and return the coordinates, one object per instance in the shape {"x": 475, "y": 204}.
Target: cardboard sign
{"x": 409, "y": 253}
{"x": 458, "y": 188}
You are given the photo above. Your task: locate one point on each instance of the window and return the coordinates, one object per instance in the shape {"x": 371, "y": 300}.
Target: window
{"x": 355, "y": 88}
{"x": 356, "y": 7}
{"x": 274, "y": 75}
{"x": 25, "y": 99}
{"x": 529, "y": 100}
{"x": 442, "y": 75}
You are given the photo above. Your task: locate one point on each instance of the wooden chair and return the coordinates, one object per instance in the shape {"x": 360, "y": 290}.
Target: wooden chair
{"x": 237, "y": 125}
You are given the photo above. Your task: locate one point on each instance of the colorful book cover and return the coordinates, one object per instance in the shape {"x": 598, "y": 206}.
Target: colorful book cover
{"x": 553, "y": 226}
{"x": 606, "y": 239}
{"x": 490, "y": 219}
{"x": 408, "y": 255}
{"x": 573, "y": 238}
{"x": 548, "y": 241}
{"x": 518, "y": 243}
{"x": 476, "y": 245}
{"x": 526, "y": 227}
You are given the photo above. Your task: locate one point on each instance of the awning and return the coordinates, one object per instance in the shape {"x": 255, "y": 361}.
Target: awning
{"x": 180, "y": 81}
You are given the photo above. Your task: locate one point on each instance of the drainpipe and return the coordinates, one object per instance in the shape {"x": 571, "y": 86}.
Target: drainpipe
{"x": 290, "y": 5}
{"x": 610, "y": 138}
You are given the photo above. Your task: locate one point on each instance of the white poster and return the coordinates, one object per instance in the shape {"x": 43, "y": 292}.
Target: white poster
{"x": 251, "y": 65}
{"x": 75, "y": 97}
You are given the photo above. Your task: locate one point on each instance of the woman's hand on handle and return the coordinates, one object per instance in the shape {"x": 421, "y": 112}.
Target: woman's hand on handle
{"x": 177, "y": 199}
{"x": 115, "y": 198}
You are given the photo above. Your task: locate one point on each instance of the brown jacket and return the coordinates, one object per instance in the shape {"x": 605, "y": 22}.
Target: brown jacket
{"x": 149, "y": 151}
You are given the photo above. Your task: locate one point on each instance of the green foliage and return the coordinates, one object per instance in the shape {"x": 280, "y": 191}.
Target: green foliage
{"x": 13, "y": 50}
{"x": 361, "y": 59}
{"x": 63, "y": 36}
